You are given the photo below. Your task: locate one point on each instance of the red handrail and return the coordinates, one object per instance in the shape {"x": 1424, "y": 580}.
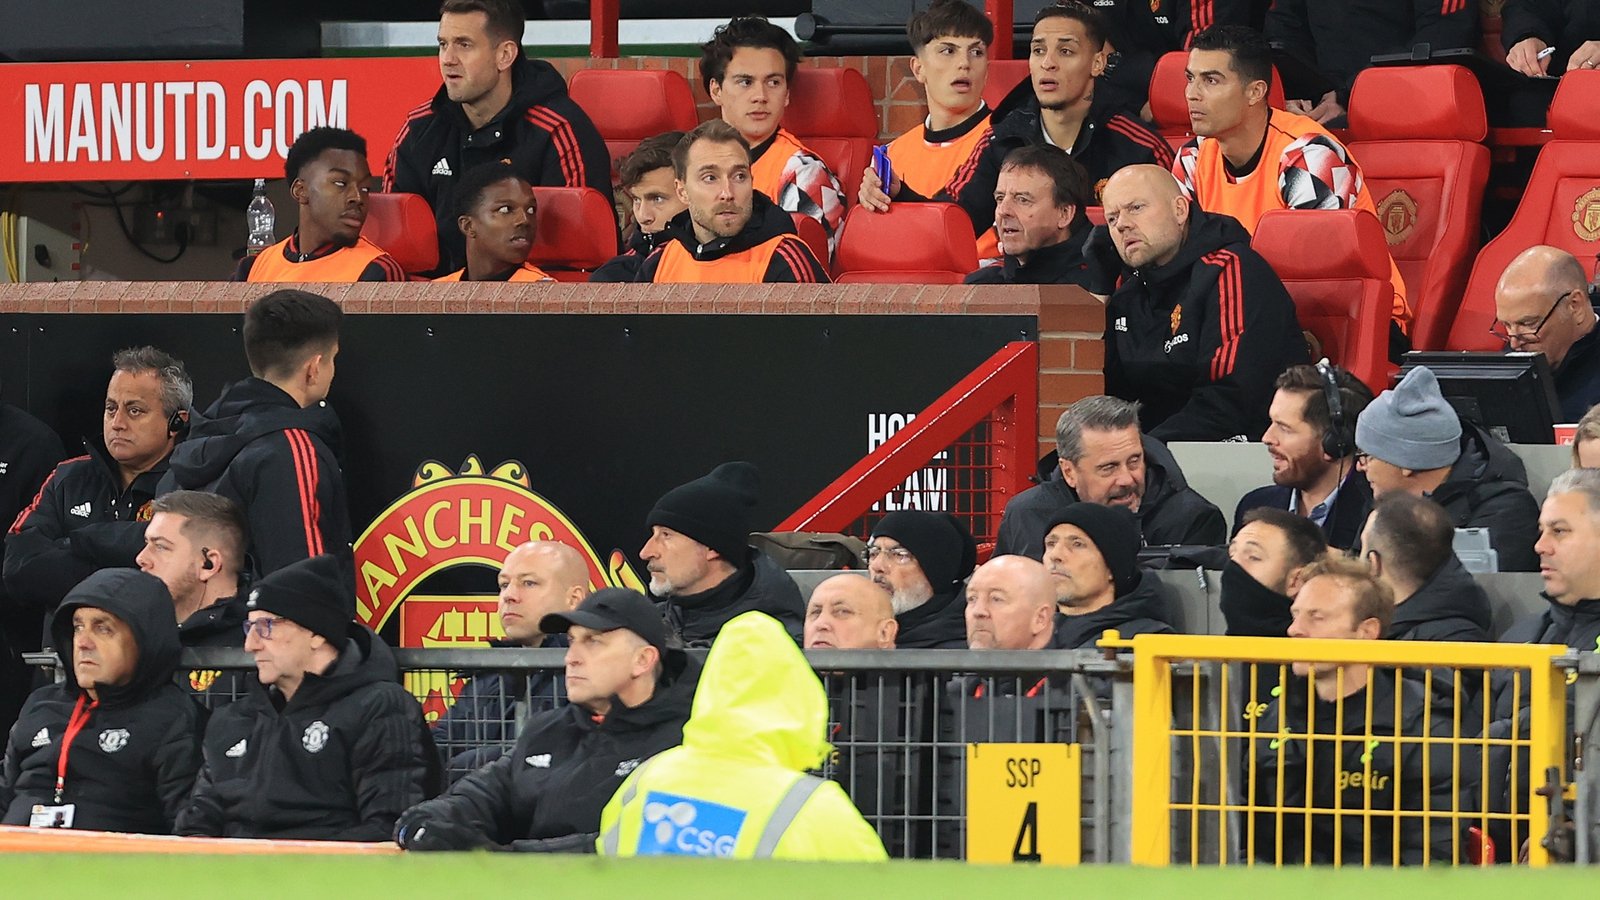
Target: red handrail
{"x": 1004, "y": 391}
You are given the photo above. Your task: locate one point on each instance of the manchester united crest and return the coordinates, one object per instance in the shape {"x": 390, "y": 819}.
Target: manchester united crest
{"x": 1398, "y": 213}
{"x": 1586, "y": 215}
{"x": 1176, "y": 319}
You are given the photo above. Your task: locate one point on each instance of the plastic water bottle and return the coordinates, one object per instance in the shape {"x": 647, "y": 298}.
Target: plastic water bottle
{"x": 260, "y": 219}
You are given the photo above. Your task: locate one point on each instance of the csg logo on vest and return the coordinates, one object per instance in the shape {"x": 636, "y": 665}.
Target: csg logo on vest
{"x": 684, "y": 826}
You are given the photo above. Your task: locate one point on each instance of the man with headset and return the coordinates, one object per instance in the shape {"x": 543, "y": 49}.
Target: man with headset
{"x": 1311, "y": 440}
{"x": 91, "y": 512}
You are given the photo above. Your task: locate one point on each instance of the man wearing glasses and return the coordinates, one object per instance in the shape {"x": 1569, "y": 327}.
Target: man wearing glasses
{"x": 1542, "y": 305}
{"x": 922, "y": 559}
{"x": 330, "y": 747}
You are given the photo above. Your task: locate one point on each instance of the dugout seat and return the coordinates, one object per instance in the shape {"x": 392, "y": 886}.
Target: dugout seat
{"x": 1004, "y": 74}
{"x": 577, "y": 232}
{"x": 926, "y": 243}
{"x": 1417, "y": 133}
{"x": 629, "y": 105}
{"x": 402, "y": 224}
{"x": 1560, "y": 206}
{"x": 1168, "y": 108}
{"x": 810, "y": 231}
{"x": 831, "y": 111}
{"x": 1335, "y": 264}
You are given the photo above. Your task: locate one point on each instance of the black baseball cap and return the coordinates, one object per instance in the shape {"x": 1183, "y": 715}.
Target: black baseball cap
{"x": 609, "y": 609}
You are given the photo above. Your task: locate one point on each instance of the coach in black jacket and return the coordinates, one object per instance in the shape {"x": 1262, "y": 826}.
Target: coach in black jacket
{"x": 128, "y": 736}
{"x": 630, "y": 696}
{"x": 329, "y": 746}
{"x": 495, "y": 104}
{"x": 1200, "y": 325}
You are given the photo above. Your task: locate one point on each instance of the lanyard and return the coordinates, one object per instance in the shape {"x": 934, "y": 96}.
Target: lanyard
{"x": 80, "y": 718}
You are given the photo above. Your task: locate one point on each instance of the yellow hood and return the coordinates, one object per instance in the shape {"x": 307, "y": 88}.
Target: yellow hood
{"x": 758, "y": 698}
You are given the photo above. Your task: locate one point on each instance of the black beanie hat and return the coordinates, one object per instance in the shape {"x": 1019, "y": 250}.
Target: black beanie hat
{"x": 1115, "y": 533}
{"x": 311, "y": 593}
{"x": 714, "y": 509}
{"x": 942, "y": 545}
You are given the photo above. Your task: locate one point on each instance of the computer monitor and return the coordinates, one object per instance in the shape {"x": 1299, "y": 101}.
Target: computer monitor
{"x": 1510, "y": 395}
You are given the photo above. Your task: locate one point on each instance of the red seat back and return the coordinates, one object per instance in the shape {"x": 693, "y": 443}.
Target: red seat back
{"x": 1342, "y": 293}
{"x": 930, "y": 243}
{"x": 629, "y": 105}
{"x": 403, "y": 225}
{"x": 577, "y": 232}
{"x": 1418, "y": 133}
{"x": 1560, "y": 207}
{"x": 1004, "y": 74}
{"x": 811, "y": 231}
{"x": 1168, "y": 108}
{"x": 831, "y": 111}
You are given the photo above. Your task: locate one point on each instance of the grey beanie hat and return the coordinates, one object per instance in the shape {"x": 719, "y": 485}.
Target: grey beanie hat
{"x": 1411, "y": 425}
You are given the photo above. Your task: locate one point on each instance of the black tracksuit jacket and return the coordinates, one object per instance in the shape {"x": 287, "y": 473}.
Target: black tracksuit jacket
{"x": 547, "y": 137}
{"x": 1144, "y": 30}
{"x": 340, "y": 761}
{"x": 1340, "y": 37}
{"x": 562, "y": 771}
{"x": 132, "y": 763}
{"x": 1056, "y": 264}
{"x": 279, "y": 462}
{"x": 1200, "y": 341}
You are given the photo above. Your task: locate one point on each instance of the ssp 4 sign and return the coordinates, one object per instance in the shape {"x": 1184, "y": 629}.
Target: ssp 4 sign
{"x": 1024, "y": 803}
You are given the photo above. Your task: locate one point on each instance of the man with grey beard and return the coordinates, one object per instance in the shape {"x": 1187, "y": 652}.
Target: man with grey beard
{"x": 922, "y": 559}
{"x": 702, "y": 568}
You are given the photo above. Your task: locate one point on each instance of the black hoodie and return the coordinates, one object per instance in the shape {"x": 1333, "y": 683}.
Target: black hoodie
{"x": 339, "y": 761}
{"x": 547, "y": 138}
{"x": 279, "y": 462}
{"x": 133, "y": 760}
{"x": 1170, "y": 513}
{"x": 1450, "y": 606}
{"x": 1200, "y": 341}
{"x": 553, "y": 784}
{"x": 769, "y": 232}
{"x": 1488, "y": 488}
{"x": 760, "y": 585}
{"x": 625, "y": 268}
{"x": 1147, "y": 609}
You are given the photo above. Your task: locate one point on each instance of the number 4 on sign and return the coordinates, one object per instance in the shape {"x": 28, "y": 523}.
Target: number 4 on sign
{"x": 1024, "y": 803}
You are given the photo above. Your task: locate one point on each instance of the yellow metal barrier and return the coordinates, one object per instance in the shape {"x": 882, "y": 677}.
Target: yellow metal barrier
{"x": 1339, "y": 752}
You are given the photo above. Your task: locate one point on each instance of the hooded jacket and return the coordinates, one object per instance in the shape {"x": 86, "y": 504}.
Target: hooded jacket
{"x": 1450, "y": 606}
{"x": 767, "y": 244}
{"x": 760, "y": 585}
{"x": 338, "y": 761}
{"x": 1147, "y": 609}
{"x": 1170, "y": 513}
{"x": 738, "y": 787}
{"x": 625, "y": 268}
{"x": 279, "y": 462}
{"x": 82, "y": 520}
{"x": 552, "y": 785}
{"x": 1488, "y": 488}
{"x": 547, "y": 138}
{"x": 939, "y": 624}
{"x": 1200, "y": 340}
{"x": 134, "y": 756}
{"x": 219, "y": 625}
{"x": 1056, "y": 264}
{"x": 1144, "y": 30}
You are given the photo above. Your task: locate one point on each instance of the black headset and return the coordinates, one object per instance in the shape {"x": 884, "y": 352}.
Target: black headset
{"x": 205, "y": 559}
{"x": 1339, "y": 439}
{"x": 178, "y": 424}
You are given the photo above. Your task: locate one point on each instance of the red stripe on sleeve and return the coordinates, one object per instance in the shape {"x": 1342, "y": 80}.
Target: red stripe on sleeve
{"x": 27, "y": 511}
{"x": 1230, "y": 302}
{"x": 798, "y": 261}
{"x": 305, "y": 471}
{"x": 1156, "y": 144}
{"x": 566, "y": 143}
{"x": 963, "y": 175}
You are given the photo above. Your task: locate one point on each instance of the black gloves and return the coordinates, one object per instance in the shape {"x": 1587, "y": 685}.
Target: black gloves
{"x": 418, "y": 830}
{"x": 1101, "y": 259}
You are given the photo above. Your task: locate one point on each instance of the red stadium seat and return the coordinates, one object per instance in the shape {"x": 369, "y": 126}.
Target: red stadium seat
{"x": 1096, "y": 214}
{"x": 1560, "y": 206}
{"x": 1004, "y": 74}
{"x": 403, "y": 225}
{"x": 831, "y": 111}
{"x": 810, "y": 231}
{"x": 629, "y": 105}
{"x": 1418, "y": 133}
{"x": 1168, "y": 108}
{"x": 577, "y": 232}
{"x": 1336, "y": 266}
{"x": 926, "y": 243}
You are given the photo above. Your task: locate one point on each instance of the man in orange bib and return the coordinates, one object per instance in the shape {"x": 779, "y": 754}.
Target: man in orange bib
{"x": 730, "y": 233}
{"x": 1247, "y": 158}
{"x": 328, "y": 177}
{"x": 498, "y": 214}
{"x": 746, "y": 68}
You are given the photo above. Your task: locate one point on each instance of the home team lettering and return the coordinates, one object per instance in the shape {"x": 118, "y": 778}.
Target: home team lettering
{"x": 150, "y": 121}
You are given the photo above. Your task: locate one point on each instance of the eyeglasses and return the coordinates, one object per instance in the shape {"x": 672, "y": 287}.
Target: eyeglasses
{"x": 1362, "y": 459}
{"x": 1503, "y": 330}
{"x": 262, "y": 627}
{"x": 900, "y": 556}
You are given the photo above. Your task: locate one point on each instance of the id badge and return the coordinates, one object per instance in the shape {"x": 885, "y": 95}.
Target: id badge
{"x": 52, "y": 816}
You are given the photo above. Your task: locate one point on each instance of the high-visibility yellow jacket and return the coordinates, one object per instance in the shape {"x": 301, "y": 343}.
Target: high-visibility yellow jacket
{"x": 737, "y": 787}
